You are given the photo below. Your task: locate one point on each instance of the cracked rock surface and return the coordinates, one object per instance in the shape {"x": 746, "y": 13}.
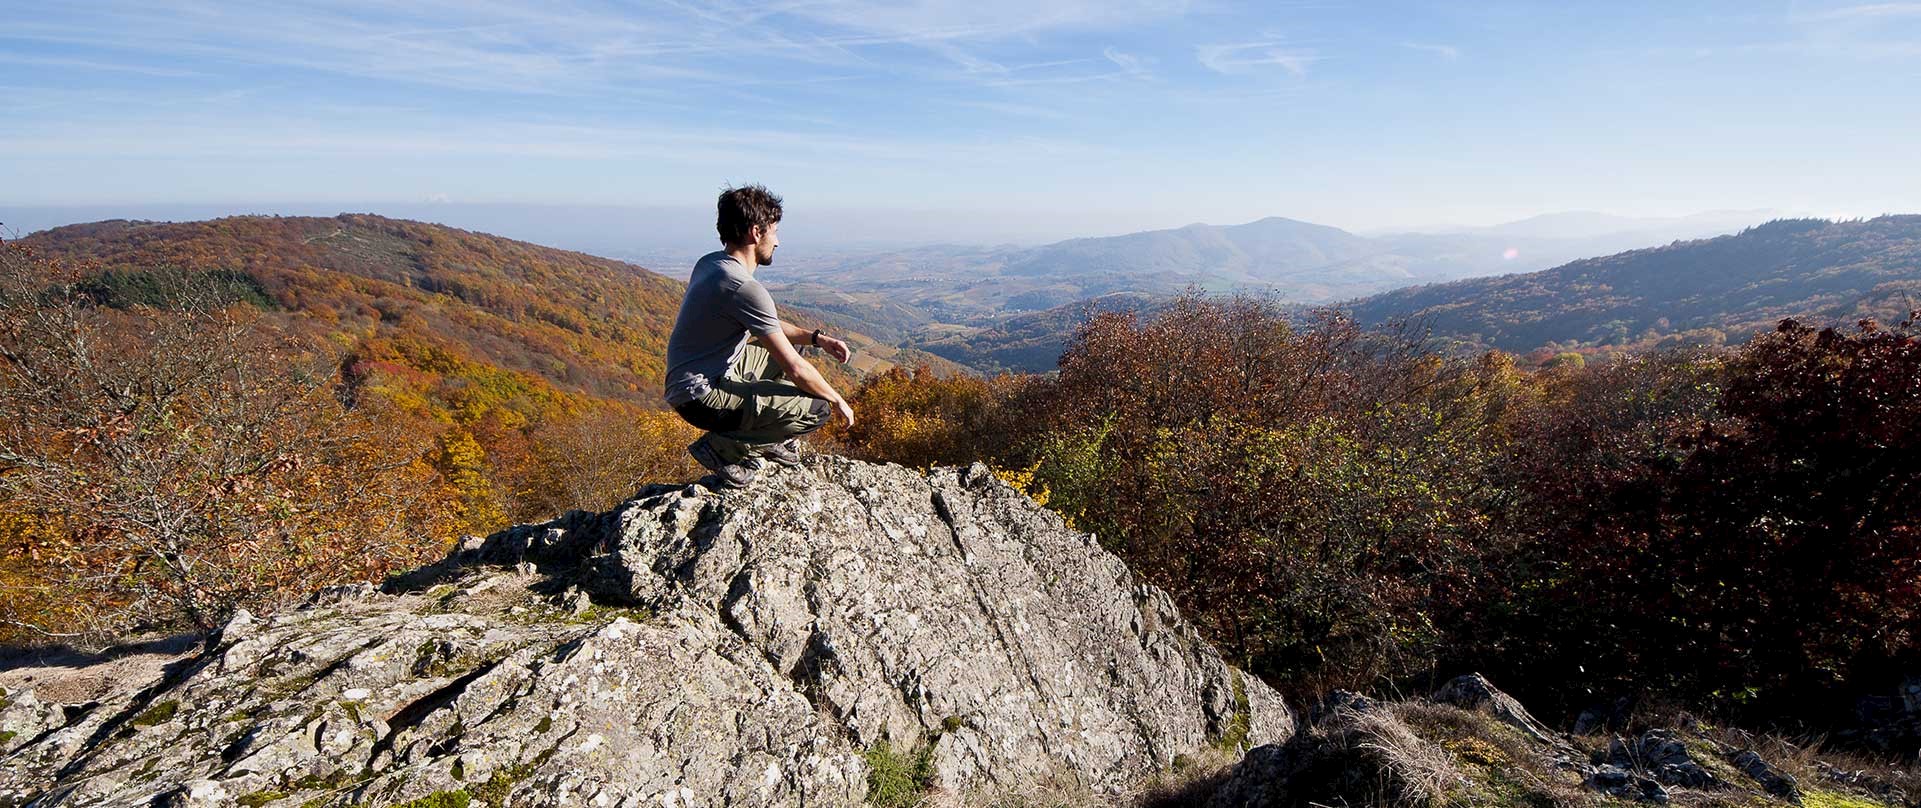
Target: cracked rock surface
{"x": 747, "y": 648}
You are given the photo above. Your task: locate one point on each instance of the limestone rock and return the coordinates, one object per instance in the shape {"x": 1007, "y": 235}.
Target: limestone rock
{"x": 752, "y": 648}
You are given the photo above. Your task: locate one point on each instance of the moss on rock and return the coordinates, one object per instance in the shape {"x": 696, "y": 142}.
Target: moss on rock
{"x": 158, "y": 714}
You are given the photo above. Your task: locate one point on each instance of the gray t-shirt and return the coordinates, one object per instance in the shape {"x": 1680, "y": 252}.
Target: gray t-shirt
{"x": 723, "y": 307}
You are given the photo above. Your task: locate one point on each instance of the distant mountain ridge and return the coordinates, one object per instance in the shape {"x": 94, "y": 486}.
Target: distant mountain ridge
{"x": 1271, "y": 251}
{"x": 1710, "y": 290}
{"x": 924, "y": 295}
{"x": 1707, "y": 291}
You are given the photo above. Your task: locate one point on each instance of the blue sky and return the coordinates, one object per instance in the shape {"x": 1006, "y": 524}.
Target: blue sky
{"x": 1081, "y": 117}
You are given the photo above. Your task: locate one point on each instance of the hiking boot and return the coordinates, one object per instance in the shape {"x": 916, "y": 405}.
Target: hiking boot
{"x": 726, "y": 475}
{"x": 785, "y": 453}
{"x": 738, "y": 475}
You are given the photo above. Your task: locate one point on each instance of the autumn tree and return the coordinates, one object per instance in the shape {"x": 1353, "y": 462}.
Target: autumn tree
{"x": 596, "y": 459}
{"x": 1308, "y": 491}
{"x": 178, "y": 456}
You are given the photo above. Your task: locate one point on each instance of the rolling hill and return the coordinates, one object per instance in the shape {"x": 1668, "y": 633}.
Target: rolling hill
{"x": 895, "y": 293}
{"x": 439, "y": 300}
{"x": 576, "y": 322}
{"x": 988, "y": 306}
{"x": 1707, "y": 291}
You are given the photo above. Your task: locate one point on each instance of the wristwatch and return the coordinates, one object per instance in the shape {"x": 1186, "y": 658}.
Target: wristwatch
{"x": 816, "y": 336}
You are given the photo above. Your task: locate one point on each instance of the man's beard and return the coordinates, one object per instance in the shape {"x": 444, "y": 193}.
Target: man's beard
{"x": 766, "y": 259}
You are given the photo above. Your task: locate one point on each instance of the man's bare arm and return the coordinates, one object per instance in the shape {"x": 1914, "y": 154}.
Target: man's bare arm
{"x": 801, "y": 336}
{"x": 802, "y": 373}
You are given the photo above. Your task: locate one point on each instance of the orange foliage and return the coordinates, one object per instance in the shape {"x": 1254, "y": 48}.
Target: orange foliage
{"x": 176, "y": 463}
{"x": 921, "y": 419}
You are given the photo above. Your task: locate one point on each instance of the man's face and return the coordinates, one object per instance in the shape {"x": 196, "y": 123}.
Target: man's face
{"x": 769, "y": 239}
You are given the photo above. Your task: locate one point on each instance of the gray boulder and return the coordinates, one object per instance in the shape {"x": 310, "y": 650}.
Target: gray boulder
{"x": 1773, "y": 780}
{"x": 777, "y": 645}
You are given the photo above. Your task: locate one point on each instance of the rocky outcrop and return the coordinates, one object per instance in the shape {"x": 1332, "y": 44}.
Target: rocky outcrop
{"x": 1471, "y": 744}
{"x": 1473, "y": 692}
{"x": 777, "y": 645}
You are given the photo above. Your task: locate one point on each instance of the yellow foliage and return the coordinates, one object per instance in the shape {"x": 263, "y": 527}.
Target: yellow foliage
{"x": 463, "y": 465}
{"x": 1023, "y": 480}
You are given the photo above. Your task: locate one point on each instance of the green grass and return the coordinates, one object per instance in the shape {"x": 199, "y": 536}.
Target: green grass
{"x": 501, "y": 784}
{"x": 896, "y": 779}
{"x": 1830, "y": 799}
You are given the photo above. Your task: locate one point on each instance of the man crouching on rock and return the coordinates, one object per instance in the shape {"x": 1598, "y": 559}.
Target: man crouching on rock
{"x": 753, "y": 399}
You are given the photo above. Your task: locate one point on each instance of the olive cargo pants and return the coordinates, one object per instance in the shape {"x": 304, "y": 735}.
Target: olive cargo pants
{"x": 754, "y": 405}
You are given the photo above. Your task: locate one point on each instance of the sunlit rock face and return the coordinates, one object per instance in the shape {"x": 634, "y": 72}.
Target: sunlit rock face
{"x": 768, "y": 646}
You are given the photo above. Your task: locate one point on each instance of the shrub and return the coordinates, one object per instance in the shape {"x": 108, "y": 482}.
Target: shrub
{"x": 1306, "y": 493}
{"x": 920, "y": 419}
{"x": 1743, "y": 532}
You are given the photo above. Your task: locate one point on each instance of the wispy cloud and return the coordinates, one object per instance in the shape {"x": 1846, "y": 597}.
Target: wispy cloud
{"x": 1130, "y": 64}
{"x": 1867, "y": 11}
{"x": 931, "y": 20}
{"x": 358, "y": 134}
{"x": 1864, "y": 31}
{"x": 1249, "y": 57}
{"x": 89, "y": 64}
{"x": 1448, "y": 52}
{"x": 1014, "y": 109}
{"x": 586, "y": 48}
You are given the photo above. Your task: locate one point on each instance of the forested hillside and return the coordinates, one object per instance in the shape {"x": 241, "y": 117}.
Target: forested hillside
{"x": 581, "y": 323}
{"x": 427, "y": 380}
{"x": 1699, "y": 292}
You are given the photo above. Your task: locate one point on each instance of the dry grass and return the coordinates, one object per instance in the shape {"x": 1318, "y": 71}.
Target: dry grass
{"x": 1503, "y": 765}
{"x": 1417, "y": 754}
{"x": 1189, "y": 782}
{"x": 1811, "y": 759}
{"x": 1412, "y": 771}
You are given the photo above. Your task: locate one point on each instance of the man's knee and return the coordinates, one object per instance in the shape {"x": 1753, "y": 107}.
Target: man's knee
{"x": 817, "y": 414}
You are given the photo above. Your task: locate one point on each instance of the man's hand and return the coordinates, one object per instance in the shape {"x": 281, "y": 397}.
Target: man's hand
{"x": 846, "y": 411}
{"x": 839, "y": 351}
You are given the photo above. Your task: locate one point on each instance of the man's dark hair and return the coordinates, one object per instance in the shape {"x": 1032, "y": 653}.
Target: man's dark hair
{"x": 742, "y": 208}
